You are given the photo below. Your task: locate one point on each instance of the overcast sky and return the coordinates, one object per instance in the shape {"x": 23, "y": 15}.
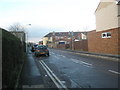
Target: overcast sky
{"x": 48, "y": 15}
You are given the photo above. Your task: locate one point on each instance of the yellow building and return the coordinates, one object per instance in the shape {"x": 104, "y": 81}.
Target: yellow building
{"x": 48, "y": 39}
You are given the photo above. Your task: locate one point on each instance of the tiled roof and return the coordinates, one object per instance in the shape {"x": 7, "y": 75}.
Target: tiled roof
{"x": 63, "y": 34}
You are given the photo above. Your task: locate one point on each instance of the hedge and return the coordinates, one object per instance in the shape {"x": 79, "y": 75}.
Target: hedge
{"x": 12, "y": 59}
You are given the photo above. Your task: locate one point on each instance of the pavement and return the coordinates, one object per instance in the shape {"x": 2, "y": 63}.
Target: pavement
{"x": 30, "y": 76}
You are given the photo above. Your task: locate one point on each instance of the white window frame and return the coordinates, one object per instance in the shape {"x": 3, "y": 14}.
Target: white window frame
{"x": 106, "y": 35}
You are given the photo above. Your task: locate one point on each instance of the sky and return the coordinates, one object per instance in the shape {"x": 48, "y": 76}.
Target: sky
{"x": 48, "y": 15}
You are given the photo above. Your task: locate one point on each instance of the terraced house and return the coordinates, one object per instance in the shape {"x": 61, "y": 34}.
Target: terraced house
{"x": 106, "y": 38}
{"x": 67, "y": 40}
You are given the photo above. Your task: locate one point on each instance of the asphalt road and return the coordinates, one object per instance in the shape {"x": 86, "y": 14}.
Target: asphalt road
{"x": 82, "y": 71}
{"x": 73, "y": 70}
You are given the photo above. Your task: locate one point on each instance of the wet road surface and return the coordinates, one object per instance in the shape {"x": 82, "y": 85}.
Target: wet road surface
{"x": 73, "y": 70}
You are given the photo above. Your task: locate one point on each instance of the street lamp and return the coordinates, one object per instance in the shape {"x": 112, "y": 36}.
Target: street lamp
{"x": 27, "y": 37}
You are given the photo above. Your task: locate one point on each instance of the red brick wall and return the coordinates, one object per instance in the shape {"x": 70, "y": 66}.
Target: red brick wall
{"x": 81, "y": 45}
{"x": 63, "y": 46}
{"x": 104, "y": 45}
{"x": 119, "y": 40}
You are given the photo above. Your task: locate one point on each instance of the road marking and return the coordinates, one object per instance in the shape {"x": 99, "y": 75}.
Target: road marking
{"x": 54, "y": 78}
{"x": 54, "y": 75}
{"x": 81, "y": 62}
{"x": 86, "y": 63}
{"x": 76, "y": 61}
{"x": 50, "y": 75}
{"x": 52, "y": 53}
{"x": 56, "y": 57}
{"x": 115, "y": 72}
{"x": 87, "y": 66}
{"x": 62, "y": 56}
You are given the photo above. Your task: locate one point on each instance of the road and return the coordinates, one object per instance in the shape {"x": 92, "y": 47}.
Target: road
{"x": 77, "y": 71}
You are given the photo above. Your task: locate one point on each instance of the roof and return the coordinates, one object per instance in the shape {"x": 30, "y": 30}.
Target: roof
{"x": 101, "y": 2}
{"x": 2, "y": 28}
{"x": 97, "y": 7}
{"x": 63, "y": 34}
{"x": 48, "y": 35}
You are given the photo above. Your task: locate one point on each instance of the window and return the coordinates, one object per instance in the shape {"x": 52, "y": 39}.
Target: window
{"x": 106, "y": 35}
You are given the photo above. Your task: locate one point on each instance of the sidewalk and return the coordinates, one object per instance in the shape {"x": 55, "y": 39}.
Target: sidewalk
{"x": 98, "y": 55}
{"x": 30, "y": 75}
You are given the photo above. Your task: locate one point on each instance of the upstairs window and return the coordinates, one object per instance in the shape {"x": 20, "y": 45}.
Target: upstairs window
{"x": 106, "y": 35}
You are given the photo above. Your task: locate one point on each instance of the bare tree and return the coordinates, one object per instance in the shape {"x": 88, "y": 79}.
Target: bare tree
{"x": 16, "y": 27}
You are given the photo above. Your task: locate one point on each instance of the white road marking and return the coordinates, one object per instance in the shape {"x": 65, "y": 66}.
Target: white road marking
{"x": 81, "y": 62}
{"x": 87, "y": 66}
{"x": 52, "y": 53}
{"x": 56, "y": 57}
{"x": 62, "y": 56}
{"x": 85, "y": 63}
{"x": 50, "y": 75}
{"x": 115, "y": 72}
{"x": 74, "y": 60}
{"x": 55, "y": 79}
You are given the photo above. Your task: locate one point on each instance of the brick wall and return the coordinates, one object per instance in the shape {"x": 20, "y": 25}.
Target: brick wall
{"x": 63, "y": 46}
{"x": 78, "y": 45}
{"x": 104, "y": 45}
{"x": 119, "y": 41}
{"x": 81, "y": 45}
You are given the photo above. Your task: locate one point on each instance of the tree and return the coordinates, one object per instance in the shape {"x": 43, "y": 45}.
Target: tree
{"x": 16, "y": 27}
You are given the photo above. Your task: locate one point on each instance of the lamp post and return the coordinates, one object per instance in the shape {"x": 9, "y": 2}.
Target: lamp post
{"x": 27, "y": 38}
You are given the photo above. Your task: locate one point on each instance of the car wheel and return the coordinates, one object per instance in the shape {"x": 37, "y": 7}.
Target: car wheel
{"x": 48, "y": 54}
{"x": 36, "y": 55}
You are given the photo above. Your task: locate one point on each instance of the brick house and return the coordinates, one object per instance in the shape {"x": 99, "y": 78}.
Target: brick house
{"x": 105, "y": 39}
{"x": 67, "y": 40}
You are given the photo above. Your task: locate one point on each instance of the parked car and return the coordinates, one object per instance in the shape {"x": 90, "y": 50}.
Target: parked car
{"x": 41, "y": 50}
{"x": 34, "y": 47}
